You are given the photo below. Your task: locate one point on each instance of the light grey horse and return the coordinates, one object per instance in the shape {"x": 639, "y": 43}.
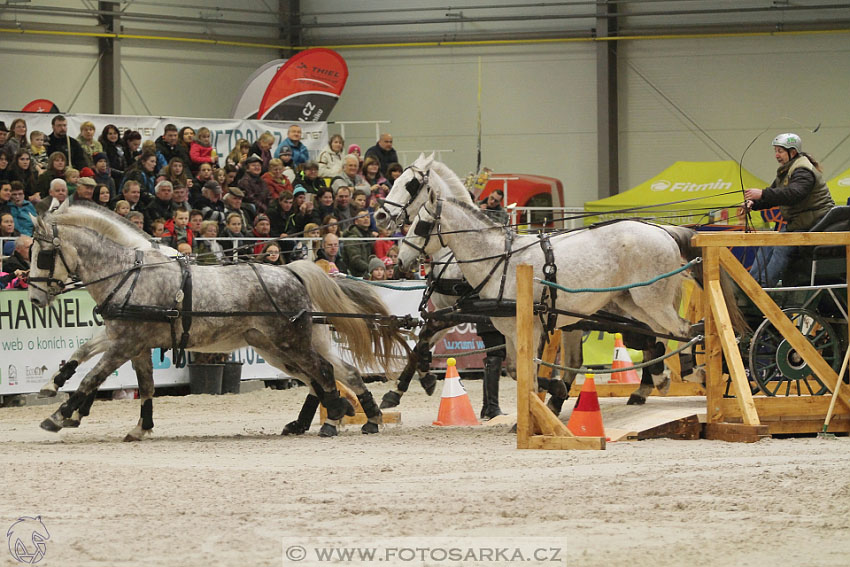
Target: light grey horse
{"x": 603, "y": 257}
{"x": 141, "y": 292}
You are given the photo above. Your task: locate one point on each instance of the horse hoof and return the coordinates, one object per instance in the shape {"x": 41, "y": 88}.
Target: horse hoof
{"x": 328, "y": 430}
{"x": 369, "y": 428}
{"x": 130, "y": 438}
{"x": 50, "y": 425}
{"x": 513, "y": 428}
{"x": 293, "y": 428}
{"x": 555, "y": 405}
{"x": 47, "y": 391}
{"x": 429, "y": 383}
{"x": 390, "y": 400}
{"x": 635, "y": 400}
{"x": 72, "y": 423}
{"x": 557, "y": 389}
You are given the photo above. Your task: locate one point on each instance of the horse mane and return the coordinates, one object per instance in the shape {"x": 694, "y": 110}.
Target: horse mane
{"x": 447, "y": 175}
{"x": 105, "y": 222}
{"x": 474, "y": 211}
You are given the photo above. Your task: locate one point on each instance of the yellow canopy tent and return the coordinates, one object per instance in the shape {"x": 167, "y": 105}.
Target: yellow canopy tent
{"x": 711, "y": 191}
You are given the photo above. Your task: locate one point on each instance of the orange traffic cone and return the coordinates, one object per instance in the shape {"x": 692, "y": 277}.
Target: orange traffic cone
{"x": 586, "y": 419}
{"x": 622, "y": 360}
{"x": 455, "y": 407}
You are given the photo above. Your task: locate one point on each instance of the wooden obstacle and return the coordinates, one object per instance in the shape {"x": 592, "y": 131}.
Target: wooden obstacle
{"x": 537, "y": 426}
{"x": 744, "y": 417}
{"x": 359, "y": 417}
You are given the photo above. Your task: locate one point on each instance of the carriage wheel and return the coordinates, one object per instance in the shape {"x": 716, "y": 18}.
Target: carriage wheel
{"x": 775, "y": 366}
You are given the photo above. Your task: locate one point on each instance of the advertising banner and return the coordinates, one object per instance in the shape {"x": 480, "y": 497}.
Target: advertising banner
{"x": 225, "y": 132}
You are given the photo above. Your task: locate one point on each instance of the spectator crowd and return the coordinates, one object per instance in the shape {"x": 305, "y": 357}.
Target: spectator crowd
{"x": 258, "y": 203}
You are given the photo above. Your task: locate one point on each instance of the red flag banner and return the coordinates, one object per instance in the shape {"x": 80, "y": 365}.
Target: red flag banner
{"x": 305, "y": 88}
{"x": 41, "y": 105}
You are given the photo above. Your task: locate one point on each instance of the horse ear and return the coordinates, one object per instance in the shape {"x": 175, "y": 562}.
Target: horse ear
{"x": 63, "y": 207}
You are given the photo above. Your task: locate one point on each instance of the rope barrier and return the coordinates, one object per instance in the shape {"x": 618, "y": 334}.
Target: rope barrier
{"x": 620, "y": 287}
{"x": 388, "y": 286}
{"x": 585, "y": 370}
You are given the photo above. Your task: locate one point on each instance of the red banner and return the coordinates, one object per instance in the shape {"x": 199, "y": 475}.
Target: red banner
{"x": 305, "y": 88}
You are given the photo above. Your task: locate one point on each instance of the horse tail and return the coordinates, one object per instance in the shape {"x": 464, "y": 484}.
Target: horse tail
{"x": 370, "y": 344}
{"x": 683, "y": 236}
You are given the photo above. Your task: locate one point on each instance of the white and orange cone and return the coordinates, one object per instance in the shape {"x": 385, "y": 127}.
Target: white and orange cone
{"x": 622, "y": 360}
{"x": 455, "y": 407}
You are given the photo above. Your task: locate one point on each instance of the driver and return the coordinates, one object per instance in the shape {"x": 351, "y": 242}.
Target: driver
{"x": 802, "y": 196}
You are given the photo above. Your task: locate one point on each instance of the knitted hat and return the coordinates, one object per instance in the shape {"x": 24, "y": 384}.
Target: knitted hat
{"x": 99, "y": 156}
{"x": 86, "y": 172}
{"x": 375, "y": 263}
{"x": 260, "y": 217}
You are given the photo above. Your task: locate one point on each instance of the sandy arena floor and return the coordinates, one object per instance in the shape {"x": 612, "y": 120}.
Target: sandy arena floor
{"x": 217, "y": 486}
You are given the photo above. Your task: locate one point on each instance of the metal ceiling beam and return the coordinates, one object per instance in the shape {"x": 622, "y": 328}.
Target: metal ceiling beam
{"x": 109, "y": 71}
{"x": 607, "y": 107}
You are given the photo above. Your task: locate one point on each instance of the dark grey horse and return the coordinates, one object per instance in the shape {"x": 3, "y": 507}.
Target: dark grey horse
{"x": 266, "y": 307}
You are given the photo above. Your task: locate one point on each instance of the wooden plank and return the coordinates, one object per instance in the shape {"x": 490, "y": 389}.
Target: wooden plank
{"x": 783, "y": 406}
{"x": 625, "y": 390}
{"x": 735, "y": 432}
{"x": 566, "y": 443}
{"x": 359, "y": 418}
{"x": 772, "y": 311}
{"x": 687, "y": 428}
{"x": 733, "y": 354}
{"x": 526, "y": 381}
{"x": 771, "y": 238}
{"x": 713, "y": 349}
{"x": 801, "y": 427}
{"x": 548, "y": 421}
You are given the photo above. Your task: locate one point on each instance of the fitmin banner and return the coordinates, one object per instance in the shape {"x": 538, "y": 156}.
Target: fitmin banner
{"x": 225, "y": 132}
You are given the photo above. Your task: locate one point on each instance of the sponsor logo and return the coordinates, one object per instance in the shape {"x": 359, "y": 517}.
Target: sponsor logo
{"x": 844, "y": 182}
{"x": 13, "y": 375}
{"x": 27, "y": 539}
{"x": 34, "y": 374}
{"x": 688, "y": 187}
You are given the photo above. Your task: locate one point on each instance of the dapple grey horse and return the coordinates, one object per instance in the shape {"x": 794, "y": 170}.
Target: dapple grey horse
{"x": 141, "y": 292}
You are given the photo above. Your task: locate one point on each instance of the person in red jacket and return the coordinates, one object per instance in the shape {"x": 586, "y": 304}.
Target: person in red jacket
{"x": 202, "y": 151}
{"x": 177, "y": 230}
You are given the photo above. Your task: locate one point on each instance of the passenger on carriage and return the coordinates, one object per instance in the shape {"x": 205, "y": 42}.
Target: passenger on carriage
{"x": 802, "y": 196}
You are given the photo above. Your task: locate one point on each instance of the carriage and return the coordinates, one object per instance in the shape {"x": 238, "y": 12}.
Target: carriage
{"x": 813, "y": 295}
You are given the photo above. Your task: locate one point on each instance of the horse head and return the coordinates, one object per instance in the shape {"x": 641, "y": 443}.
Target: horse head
{"x": 407, "y": 194}
{"x": 51, "y": 263}
{"x": 425, "y": 225}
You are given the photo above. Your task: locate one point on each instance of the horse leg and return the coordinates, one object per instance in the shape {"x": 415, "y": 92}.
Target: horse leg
{"x": 95, "y": 345}
{"x": 572, "y": 356}
{"x": 420, "y": 359}
{"x": 492, "y": 370}
{"x": 351, "y": 377}
{"x": 83, "y": 411}
{"x": 111, "y": 360}
{"x": 143, "y": 365}
{"x": 305, "y": 416}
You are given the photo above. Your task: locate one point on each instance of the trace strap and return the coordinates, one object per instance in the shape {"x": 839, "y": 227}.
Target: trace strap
{"x": 620, "y": 287}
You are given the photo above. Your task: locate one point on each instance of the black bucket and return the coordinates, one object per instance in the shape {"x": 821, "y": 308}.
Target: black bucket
{"x": 205, "y": 378}
{"x": 231, "y": 378}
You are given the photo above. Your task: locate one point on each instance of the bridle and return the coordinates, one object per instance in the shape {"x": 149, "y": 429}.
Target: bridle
{"x": 425, "y": 228}
{"x": 46, "y": 260}
{"x": 413, "y": 187}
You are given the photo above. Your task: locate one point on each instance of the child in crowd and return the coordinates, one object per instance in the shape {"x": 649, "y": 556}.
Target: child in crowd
{"x": 177, "y": 230}
{"x": 271, "y": 254}
{"x": 38, "y": 151}
{"x": 201, "y": 150}
{"x": 232, "y": 229}
{"x": 311, "y": 230}
{"x": 122, "y": 207}
{"x": 377, "y": 270}
{"x": 71, "y": 178}
{"x": 158, "y": 228}
{"x": 382, "y": 243}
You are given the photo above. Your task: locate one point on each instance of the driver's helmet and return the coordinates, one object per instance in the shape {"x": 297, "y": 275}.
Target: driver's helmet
{"x": 788, "y": 141}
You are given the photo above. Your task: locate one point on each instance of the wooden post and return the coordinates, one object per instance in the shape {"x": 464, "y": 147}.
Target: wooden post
{"x": 526, "y": 380}
{"x": 713, "y": 350}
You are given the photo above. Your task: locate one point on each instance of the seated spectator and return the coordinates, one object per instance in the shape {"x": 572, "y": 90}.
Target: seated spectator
{"x": 88, "y": 142}
{"x": 205, "y": 173}
{"x": 20, "y": 208}
{"x": 19, "y": 259}
{"x": 38, "y": 151}
{"x": 232, "y": 230}
{"x": 325, "y": 202}
{"x": 22, "y": 169}
{"x": 210, "y": 203}
{"x": 262, "y": 147}
{"x": 122, "y": 208}
{"x": 377, "y": 182}
{"x": 143, "y": 171}
{"x": 382, "y": 151}
{"x": 377, "y": 270}
{"x": 180, "y": 198}
{"x": 342, "y": 205}
{"x": 237, "y": 156}
{"x": 17, "y": 139}
{"x": 102, "y": 196}
{"x": 168, "y": 148}
{"x": 58, "y": 141}
{"x": 207, "y": 251}
{"x": 233, "y": 204}
{"x": 275, "y": 180}
{"x": 252, "y": 185}
{"x": 195, "y": 220}
{"x": 354, "y": 150}
{"x": 8, "y": 231}
{"x": 270, "y": 254}
{"x": 394, "y": 171}
{"x": 175, "y": 172}
{"x": 330, "y": 225}
{"x": 350, "y": 176}
{"x": 56, "y": 195}
{"x": 131, "y": 142}
{"x": 309, "y": 179}
{"x": 202, "y": 151}
{"x": 55, "y": 170}
{"x": 85, "y": 190}
{"x": 157, "y": 228}
{"x": 132, "y": 193}
{"x": 330, "y": 253}
{"x": 110, "y": 139}
{"x": 137, "y": 218}
{"x": 262, "y": 226}
{"x": 289, "y": 166}
{"x": 357, "y": 252}
{"x": 177, "y": 230}
{"x": 102, "y": 174}
{"x": 300, "y": 154}
{"x": 391, "y": 261}
{"x": 312, "y": 240}
{"x": 383, "y": 244}
{"x": 282, "y": 217}
{"x": 330, "y": 159}
{"x": 5, "y": 195}
{"x": 160, "y": 206}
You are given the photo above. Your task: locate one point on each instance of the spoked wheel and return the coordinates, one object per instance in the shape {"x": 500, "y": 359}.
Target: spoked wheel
{"x": 774, "y": 364}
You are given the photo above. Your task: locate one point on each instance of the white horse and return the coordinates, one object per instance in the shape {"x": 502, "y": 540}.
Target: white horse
{"x": 604, "y": 257}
